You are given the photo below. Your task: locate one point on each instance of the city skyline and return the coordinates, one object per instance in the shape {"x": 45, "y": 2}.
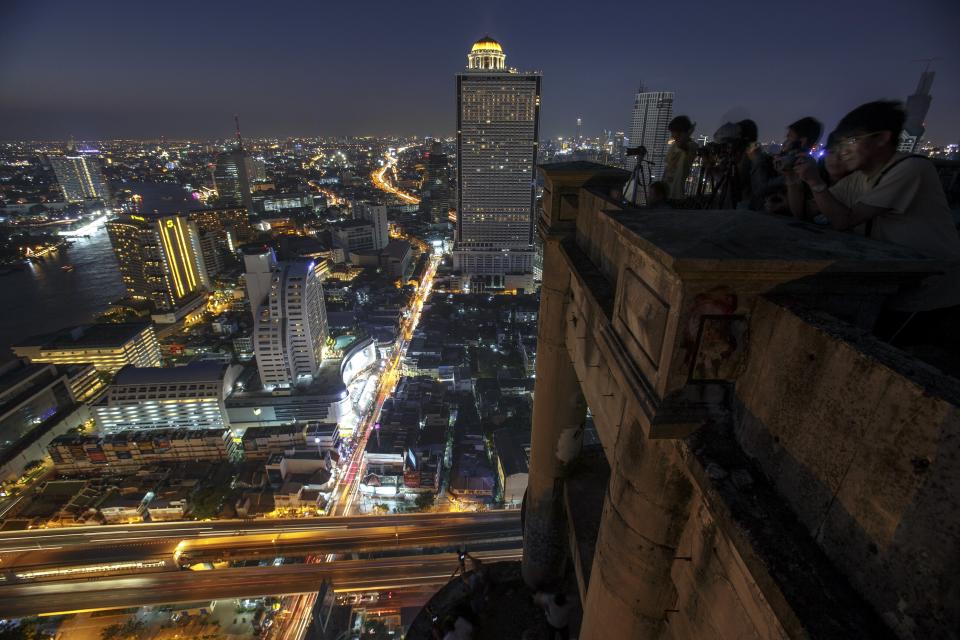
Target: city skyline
{"x": 193, "y": 87}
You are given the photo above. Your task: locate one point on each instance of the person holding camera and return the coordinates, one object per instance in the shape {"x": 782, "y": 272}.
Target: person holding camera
{"x": 895, "y": 198}
{"x": 758, "y": 175}
{"x": 799, "y": 196}
{"x": 680, "y": 156}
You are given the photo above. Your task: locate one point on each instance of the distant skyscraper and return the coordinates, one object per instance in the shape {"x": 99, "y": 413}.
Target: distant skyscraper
{"x": 160, "y": 258}
{"x": 498, "y": 114}
{"x": 918, "y": 104}
{"x": 579, "y": 130}
{"x": 80, "y": 176}
{"x": 232, "y": 176}
{"x": 652, "y": 111}
{"x": 290, "y": 323}
{"x": 436, "y": 188}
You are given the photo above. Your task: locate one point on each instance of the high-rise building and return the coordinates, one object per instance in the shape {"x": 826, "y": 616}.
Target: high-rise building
{"x": 498, "y": 115}
{"x": 376, "y": 215}
{"x": 918, "y": 104}
{"x": 259, "y": 264}
{"x": 232, "y": 178}
{"x": 80, "y": 176}
{"x": 579, "y": 130}
{"x": 436, "y": 187}
{"x": 652, "y": 111}
{"x": 234, "y": 172}
{"x": 160, "y": 258}
{"x": 290, "y": 325}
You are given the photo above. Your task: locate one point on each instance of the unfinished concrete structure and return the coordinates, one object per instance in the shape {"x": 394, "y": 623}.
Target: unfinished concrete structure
{"x": 769, "y": 470}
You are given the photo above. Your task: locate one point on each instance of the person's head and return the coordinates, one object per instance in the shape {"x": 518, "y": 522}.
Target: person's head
{"x": 680, "y": 128}
{"x": 657, "y": 194}
{"x": 748, "y": 130}
{"x": 775, "y": 200}
{"x": 870, "y": 133}
{"x": 833, "y": 165}
{"x": 803, "y": 134}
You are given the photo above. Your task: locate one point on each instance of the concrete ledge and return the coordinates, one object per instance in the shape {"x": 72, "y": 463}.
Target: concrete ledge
{"x": 862, "y": 442}
{"x": 807, "y": 595}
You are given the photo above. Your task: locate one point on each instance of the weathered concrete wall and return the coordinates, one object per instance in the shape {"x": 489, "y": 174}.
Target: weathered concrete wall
{"x": 866, "y": 456}
{"x": 770, "y": 477}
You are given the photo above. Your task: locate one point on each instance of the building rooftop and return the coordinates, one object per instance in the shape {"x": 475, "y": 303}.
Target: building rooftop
{"x": 192, "y": 373}
{"x": 511, "y": 454}
{"x": 90, "y": 336}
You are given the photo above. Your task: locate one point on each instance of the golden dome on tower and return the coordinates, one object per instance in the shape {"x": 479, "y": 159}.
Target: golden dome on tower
{"x": 486, "y": 43}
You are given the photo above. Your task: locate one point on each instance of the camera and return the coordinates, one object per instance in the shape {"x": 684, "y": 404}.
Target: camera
{"x": 787, "y": 157}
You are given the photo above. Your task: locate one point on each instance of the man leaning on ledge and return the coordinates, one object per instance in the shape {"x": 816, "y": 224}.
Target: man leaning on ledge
{"x": 897, "y": 198}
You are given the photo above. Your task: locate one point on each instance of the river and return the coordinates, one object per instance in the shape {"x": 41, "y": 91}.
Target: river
{"x": 45, "y": 298}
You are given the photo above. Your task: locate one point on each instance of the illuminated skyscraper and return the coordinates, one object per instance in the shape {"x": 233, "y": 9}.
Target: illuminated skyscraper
{"x": 652, "y": 111}
{"x": 80, "y": 176}
{"x": 498, "y": 114}
{"x": 290, "y": 320}
{"x": 234, "y": 172}
{"x": 160, "y": 258}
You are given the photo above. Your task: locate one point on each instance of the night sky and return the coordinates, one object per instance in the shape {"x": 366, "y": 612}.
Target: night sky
{"x": 100, "y": 69}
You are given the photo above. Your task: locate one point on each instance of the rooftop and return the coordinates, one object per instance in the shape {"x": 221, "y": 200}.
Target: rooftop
{"x": 195, "y": 372}
{"x": 107, "y": 335}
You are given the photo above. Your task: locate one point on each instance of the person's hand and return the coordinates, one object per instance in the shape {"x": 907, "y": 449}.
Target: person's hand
{"x": 806, "y": 169}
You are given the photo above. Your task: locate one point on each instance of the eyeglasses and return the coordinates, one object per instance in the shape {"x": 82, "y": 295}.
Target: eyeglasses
{"x": 852, "y": 140}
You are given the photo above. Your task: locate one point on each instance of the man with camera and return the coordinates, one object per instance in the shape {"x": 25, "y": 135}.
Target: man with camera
{"x": 896, "y": 198}
{"x": 802, "y": 137}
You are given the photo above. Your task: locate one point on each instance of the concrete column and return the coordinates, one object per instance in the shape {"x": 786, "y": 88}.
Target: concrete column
{"x": 644, "y": 514}
{"x": 559, "y": 411}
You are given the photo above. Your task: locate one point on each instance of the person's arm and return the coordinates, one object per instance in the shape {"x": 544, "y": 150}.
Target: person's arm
{"x": 841, "y": 216}
{"x": 796, "y": 195}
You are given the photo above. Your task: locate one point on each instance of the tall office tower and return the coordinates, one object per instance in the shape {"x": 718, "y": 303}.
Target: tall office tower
{"x": 232, "y": 175}
{"x": 376, "y": 215}
{"x": 80, "y": 176}
{"x": 160, "y": 258}
{"x": 498, "y": 115}
{"x": 290, "y": 326}
{"x": 652, "y": 111}
{"x": 436, "y": 188}
{"x": 579, "y": 130}
{"x": 918, "y": 104}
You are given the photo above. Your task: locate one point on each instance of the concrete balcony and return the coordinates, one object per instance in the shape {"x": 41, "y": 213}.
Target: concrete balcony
{"x": 774, "y": 470}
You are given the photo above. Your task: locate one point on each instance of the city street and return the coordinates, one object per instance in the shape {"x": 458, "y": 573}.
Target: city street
{"x": 381, "y": 574}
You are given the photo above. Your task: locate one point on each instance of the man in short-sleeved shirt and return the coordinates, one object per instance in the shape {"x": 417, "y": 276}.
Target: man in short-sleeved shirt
{"x": 894, "y": 198}
{"x": 916, "y": 215}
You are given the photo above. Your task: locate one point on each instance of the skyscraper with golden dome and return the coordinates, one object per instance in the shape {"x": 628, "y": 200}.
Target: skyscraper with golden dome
{"x": 498, "y": 116}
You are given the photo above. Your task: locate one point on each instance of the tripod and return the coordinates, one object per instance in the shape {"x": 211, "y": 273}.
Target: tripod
{"x": 721, "y": 174}
{"x": 636, "y": 191}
